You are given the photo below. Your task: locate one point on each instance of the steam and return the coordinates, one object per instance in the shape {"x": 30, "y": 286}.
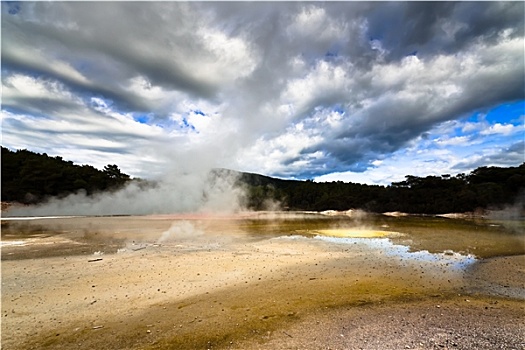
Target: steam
{"x": 515, "y": 211}
{"x": 357, "y": 214}
{"x": 180, "y": 230}
{"x": 511, "y": 216}
{"x": 198, "y": 191}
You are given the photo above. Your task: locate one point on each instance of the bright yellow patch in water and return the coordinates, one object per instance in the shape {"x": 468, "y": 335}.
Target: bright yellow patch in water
{"x": 356, "y": 233}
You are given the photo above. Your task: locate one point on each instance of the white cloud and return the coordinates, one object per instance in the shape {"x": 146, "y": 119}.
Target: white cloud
{"x": 313, "y": 22}
{"x": 453, "y": 141}
{"x": 18, "y": 87}
{"x": 229, "y": 58}
{"x": 281, "y": 154}
{"x": 325, "y": 83}
{"x": 500, "y": 129}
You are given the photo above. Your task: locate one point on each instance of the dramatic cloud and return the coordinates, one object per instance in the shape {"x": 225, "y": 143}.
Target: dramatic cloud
{"x": 357, "y": 91}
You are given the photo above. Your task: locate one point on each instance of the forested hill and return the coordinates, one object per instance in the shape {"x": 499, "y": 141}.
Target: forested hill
{"x": 28, "y": 177}
{"x": 484, "y": 188}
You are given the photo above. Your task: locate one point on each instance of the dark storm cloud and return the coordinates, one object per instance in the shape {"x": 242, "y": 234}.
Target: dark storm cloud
{"x": 109, "y": 43}
{"x": 25, "y": 62}
{"x": 421, "y": 19}
{"x": 393, "y": 120}
{"x": 37, "y": 106}
{"x": 430, "y": 28}
{"x": 486, "y": 19}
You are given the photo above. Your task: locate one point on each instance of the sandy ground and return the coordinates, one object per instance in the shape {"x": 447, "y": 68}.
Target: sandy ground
{"x": 180, "y": 287}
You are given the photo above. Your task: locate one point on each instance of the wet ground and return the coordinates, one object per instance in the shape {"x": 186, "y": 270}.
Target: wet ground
{"x": 198, "y": 281}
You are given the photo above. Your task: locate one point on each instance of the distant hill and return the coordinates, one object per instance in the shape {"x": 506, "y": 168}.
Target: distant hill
{"x": 29, "y": 178}
{"x": 484, "y": 188}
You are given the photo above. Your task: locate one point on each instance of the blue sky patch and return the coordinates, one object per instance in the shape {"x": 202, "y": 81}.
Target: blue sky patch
{"x": 339, "y": 109}
{"x": 143, "y": 118}
{"x": 506, "y": 113}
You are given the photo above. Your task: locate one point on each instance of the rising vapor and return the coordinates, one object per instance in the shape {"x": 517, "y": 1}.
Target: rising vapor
{"x": 203, "y": 191}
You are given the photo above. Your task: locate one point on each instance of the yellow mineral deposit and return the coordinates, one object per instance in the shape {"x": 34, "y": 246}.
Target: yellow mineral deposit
{"x": 356, "y": 233}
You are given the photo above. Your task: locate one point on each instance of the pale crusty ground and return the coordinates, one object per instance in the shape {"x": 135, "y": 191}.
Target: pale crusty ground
{"x": 219, "y": 292}
{"x": 456, "y": 323}
{"x": 502, "y": 276}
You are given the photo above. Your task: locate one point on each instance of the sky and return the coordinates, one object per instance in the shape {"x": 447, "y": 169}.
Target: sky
{"x": 362, "y": 92}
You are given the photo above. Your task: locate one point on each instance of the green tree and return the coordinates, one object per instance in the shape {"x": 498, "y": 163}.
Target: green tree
{"x": 29, "y": 177}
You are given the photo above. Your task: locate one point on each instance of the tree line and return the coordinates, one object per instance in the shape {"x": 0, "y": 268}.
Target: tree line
{"x": 483, "y": 188}
{"x": 30, "y": 178}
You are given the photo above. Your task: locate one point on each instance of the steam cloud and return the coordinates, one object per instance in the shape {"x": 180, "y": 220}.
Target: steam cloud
{"x": 199, "y": 191}
{"x": 180, "y": 230}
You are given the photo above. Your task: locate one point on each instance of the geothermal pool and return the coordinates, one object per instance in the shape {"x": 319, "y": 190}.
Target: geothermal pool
{"x": 205, "y": 281}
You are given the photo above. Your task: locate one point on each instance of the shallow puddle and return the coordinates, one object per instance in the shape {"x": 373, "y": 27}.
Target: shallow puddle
{"x": 437, "y": 235}
{"x": 450, "y": 259}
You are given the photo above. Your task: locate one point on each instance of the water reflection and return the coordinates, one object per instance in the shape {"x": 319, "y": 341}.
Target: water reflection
{"x": 436, "y": 236}
{"x": 451, "y": 260}
{"x": 482, "y": 238}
